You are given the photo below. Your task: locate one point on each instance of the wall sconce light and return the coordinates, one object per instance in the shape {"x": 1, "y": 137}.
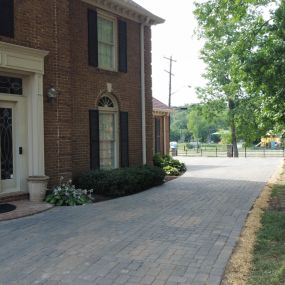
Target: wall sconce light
{"x": 52, "y": 94}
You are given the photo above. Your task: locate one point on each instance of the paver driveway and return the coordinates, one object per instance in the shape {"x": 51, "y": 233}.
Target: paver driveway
{"x": 180, "y": 233}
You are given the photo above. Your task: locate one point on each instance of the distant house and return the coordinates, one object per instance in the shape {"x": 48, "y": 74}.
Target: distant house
{"x": 75, "y": 88}
{"x": 161, "y": 124}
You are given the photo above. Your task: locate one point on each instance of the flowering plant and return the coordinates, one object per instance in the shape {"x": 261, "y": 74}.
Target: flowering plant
{"x": 65, "y": 194}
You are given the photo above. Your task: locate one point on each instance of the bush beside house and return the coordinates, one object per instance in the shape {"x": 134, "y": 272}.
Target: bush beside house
{"x": 122, "y": 181}
{"x": 172, "y": 167}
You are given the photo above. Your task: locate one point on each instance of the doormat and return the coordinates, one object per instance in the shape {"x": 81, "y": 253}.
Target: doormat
{"x": 4, "y": 208}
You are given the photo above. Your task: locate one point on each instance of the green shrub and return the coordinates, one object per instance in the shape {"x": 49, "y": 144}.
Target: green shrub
{"x": 170, "y": 170}
{"x": 122, "y": 181}
{"x": 66, "y": 194}
{"x": 158, "y": 160}
{"x": 177, "y": 164}
{"x": 163, "y": 161}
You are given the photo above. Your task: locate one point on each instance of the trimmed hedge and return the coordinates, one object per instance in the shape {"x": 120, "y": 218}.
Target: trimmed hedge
{"x": 122, "y": 181}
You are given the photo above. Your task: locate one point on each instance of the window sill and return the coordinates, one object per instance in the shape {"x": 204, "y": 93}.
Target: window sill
{"x": 105, "y": 71}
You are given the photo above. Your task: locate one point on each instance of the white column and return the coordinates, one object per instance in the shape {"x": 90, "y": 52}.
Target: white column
{"x": 36, "y": 125}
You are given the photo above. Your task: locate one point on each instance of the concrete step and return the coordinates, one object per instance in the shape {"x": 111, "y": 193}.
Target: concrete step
{"x": 15, "y": 196}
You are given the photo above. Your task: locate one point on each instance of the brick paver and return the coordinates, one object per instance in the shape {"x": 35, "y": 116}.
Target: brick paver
{"x": 180, "y": 233}
{"x": 24, "y": 208}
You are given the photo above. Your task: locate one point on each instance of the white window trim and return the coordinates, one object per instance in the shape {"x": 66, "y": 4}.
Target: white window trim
{"x": 101, "y": 14}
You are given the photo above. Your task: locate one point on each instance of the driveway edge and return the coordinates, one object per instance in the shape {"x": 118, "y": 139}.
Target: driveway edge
{"x": 240, "y": 262}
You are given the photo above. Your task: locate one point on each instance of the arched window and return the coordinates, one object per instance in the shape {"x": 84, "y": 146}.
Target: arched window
{"x": 105, "y": 102}
{"x": 108, "y": 132}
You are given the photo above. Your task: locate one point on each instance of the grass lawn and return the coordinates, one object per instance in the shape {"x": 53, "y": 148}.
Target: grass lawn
{"x": 269, "y": 253}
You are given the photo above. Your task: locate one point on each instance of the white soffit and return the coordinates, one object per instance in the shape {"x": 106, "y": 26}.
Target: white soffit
{"x": 127, "y": 9}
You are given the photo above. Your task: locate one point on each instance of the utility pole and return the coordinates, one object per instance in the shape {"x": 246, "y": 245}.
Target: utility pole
{"x": 170, "y": 78}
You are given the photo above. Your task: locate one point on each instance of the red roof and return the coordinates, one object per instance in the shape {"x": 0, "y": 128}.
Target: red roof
{"x": 157, "y": 105}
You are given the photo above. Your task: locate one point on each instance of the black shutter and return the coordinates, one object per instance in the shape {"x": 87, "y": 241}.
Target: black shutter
{"x": 7, "y": 18}
{"x": 92, "y": 38}
{"x": 124, "y": 139}
{"x": 94, "y": 139}
{"x": 122, "y": 27}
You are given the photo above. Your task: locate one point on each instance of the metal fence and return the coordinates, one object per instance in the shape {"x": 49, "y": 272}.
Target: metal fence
{"x": 222, "y": 152}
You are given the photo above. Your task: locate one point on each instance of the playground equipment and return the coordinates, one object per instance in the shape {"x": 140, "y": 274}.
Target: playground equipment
{"x": 271, "y": 141}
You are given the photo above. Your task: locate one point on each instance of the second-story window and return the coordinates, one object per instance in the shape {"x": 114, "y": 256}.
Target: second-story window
{"x": 106, "y": 42}
{"x": 7, "y": 18}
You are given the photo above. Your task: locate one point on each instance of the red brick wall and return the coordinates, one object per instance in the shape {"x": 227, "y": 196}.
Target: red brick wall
{"x": 89, "y": 81}
{"x": 35, "y": 26}
{"x": 66, "y": 121}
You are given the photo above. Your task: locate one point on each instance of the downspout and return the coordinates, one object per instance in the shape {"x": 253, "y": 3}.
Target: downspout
{"x": 143, "y": 93}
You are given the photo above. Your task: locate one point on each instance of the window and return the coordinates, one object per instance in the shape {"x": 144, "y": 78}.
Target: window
{"x": 106, "y": 42}
{"x": 7, "y": 18}
{"x": 108, "y": 133}
{"x": 107, "y": 139}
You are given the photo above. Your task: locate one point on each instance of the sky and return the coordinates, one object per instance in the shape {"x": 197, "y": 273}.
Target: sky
{"x": 175, "y": 38}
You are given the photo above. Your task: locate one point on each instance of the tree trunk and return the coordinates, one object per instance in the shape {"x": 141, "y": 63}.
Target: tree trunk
{"x": 233, "y": 127}
{"x": 234, "y": 138}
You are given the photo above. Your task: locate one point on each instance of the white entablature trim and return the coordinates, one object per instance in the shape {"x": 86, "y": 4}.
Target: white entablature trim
{"x": 161, "y": 112}
{"x": 15, "y": 57}
{"x": 128, "y": 10}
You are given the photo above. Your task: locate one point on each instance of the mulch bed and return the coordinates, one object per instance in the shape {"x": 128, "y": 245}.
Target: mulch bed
{"x": 99, "y": 198}
{"x": 169, "y": 178}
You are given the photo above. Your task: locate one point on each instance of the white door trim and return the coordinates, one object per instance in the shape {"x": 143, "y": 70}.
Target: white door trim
{"x": 28, "y": 64}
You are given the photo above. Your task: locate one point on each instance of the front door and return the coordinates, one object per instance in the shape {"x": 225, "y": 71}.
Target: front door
{"x": 7, "y": 145}
{"x": 10, "y": 147}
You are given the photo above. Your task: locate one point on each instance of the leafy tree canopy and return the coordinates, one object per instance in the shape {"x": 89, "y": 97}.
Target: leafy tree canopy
{"x": 244, "y": 53}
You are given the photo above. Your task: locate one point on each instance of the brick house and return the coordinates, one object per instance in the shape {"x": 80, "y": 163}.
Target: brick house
{"x": 161, "y": 124}
{"x": 75, "y": 88}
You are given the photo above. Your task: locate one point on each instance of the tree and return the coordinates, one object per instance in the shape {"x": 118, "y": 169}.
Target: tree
{"x": 261, "y": 64}
{"x": 227, "y": 27}
{"x": 202, "y": 122}
{"x": 178, "y": 126}
{"x": 198, "y": 126}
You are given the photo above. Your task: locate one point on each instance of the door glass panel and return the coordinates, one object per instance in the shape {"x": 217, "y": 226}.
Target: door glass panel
{"x": 107, "y": 140}
{"x": 6, "y": 143}
{"x": 11, "y": 85}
